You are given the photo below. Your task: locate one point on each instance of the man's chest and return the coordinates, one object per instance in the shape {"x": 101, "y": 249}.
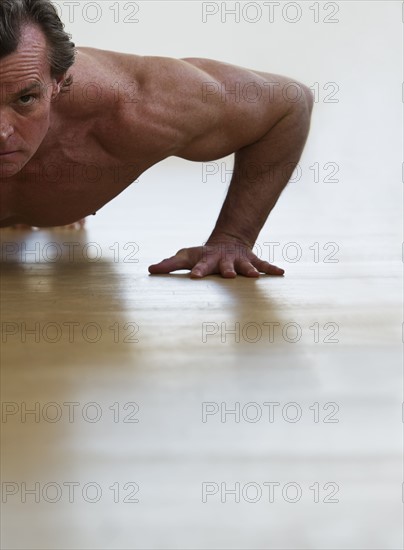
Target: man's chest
{"x": 68, "y": 183}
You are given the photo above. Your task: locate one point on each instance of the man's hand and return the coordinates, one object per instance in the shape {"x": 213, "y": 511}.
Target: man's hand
{"x": 226, "y": 258}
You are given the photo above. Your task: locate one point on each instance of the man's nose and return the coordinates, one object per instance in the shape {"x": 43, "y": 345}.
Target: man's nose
{"x": 6, "y": 128}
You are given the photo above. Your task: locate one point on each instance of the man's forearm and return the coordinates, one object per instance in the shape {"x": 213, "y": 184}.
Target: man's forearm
{"x": 261, "y": 171}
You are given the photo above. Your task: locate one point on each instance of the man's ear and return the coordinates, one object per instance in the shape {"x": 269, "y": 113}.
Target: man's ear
{"x": 57, "y": 85}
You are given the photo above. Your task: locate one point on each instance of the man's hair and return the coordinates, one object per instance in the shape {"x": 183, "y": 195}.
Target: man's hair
{"x": 14, "y": 14}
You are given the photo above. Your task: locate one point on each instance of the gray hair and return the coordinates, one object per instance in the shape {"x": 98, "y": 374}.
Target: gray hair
{"x": 16, "y": 13}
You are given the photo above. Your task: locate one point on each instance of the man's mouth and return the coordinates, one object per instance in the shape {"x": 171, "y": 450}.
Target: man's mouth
{"x": 7, "y": 153}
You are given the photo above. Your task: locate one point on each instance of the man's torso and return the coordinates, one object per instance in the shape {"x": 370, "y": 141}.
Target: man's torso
{"x": 123, "y": 114}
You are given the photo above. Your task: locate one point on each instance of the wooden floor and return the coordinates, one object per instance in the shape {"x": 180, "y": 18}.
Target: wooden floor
{"x": 211, "y": 414}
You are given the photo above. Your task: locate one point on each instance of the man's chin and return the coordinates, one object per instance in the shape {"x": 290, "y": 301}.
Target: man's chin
{"x": 10, "y": 168}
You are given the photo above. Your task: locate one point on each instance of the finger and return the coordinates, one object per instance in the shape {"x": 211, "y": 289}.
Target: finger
{"x": 266, "y": 267}
{"x": 246, "y": 268}
{"x": 205, "y": 267}
{"x": 169, "y": 264}
{"x": 227, "y": 269}
{"x": 201, "y": 269}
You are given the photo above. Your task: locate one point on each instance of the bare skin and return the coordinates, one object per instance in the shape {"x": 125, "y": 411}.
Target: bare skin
{"x": 64, "y": 155}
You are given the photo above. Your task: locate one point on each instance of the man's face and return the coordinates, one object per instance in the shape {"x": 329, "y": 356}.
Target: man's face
{"x": 26, "y": 92}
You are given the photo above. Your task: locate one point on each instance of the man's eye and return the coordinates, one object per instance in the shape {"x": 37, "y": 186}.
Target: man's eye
{"x": 27, "y": 99}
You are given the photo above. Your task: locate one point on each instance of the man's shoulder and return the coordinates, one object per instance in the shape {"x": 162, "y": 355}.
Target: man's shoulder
{"x": 154, "y": 104}
{"x": 98, "y": 76}
{"x": 103, "y": 77}
{"x": 93, "y": 61}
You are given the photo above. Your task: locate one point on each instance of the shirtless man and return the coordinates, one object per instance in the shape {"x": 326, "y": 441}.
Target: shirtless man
{"x": 65, "y": 113}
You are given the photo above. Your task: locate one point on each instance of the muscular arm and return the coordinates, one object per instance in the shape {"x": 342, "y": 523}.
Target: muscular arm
{"x": 261, "y": 171}
{"x": 260, "y": 117}
{"x": 264, "y": 119}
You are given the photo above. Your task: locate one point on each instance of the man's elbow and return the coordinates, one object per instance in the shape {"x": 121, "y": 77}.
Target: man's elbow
{"x": 307, "y": 97}
{"x": 296, "y": 97}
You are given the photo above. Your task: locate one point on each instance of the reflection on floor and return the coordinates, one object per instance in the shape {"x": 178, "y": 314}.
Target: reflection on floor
{"x": 161, "y": 412}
